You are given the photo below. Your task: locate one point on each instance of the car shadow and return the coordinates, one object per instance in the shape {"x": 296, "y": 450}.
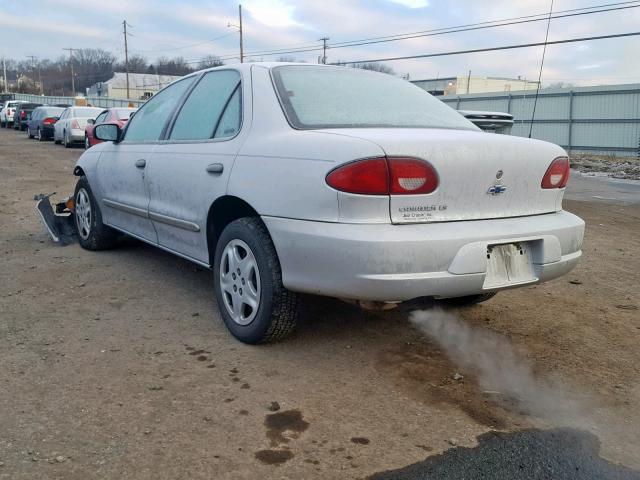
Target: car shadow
{"x": 320, "y": 318}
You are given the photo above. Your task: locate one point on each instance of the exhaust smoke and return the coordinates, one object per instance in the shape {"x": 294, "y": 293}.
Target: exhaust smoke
{"x": 500, "y": 368}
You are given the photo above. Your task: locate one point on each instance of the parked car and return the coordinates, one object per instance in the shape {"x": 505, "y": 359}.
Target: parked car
{"x": 6, "y": 96}
{"x": 117, "y": 116}
{"x": 42, "y": 122}
{"x": 288, "y": 178}
{"x": 69, "y": 128}
{"x": 7, "y": 113}
{"x": 492, "y": 122}
{"x": 23, "y": 114}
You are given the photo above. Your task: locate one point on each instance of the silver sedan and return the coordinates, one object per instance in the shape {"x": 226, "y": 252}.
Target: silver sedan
{"x": 69, "y": 128}
{"x": 289, "y": 178}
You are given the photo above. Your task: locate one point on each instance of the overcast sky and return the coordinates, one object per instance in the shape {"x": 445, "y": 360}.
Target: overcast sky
{"x": 171, "y": 28}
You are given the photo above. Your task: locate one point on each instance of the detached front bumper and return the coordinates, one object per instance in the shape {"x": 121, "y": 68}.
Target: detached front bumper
{"x": 385, "y": 262}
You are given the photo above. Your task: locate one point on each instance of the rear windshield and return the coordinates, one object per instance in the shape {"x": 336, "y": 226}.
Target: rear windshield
{"x": 86, "y": 112}
{"x": 124, "y": 113}
{"x": 55, "y": 111}
{"x": 344, "y": 97}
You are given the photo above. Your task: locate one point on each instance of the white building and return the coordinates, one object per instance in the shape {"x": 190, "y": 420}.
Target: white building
{"x": 141, "y": 85}
{"x": 474, "y": 84}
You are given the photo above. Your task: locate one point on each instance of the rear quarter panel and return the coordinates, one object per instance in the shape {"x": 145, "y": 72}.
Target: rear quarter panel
{"x": 281, "y": 171}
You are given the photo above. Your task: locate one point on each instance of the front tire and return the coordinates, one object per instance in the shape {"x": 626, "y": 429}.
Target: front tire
{"x": 92, "y": 233}
{"x": 253, "y": 303}
{"x": 467, "y": 300}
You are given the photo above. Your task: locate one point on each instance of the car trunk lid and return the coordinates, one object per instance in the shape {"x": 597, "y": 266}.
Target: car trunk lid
{"x": 481, "y": 175}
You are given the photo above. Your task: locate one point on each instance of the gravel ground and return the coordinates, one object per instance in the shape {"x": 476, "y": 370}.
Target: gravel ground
{"x": 116, "y": 365}
{"x": 611, "y": 166}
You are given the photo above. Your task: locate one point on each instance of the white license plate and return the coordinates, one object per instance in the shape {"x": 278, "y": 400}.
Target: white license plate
{"x": 508, "y": 264}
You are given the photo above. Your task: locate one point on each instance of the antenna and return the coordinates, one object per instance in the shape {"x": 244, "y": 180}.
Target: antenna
{"x": 544, "y": 50}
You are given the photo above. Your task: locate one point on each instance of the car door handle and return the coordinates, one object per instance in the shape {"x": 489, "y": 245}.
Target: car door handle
{"x": 215, "y": 168}
{"x": 141, "y": 163}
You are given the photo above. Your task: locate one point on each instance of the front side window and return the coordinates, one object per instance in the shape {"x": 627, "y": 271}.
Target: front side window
{"x": 344, "y": 97}
{"x": 148, "y": 123}
{"x": 202, "y": 111}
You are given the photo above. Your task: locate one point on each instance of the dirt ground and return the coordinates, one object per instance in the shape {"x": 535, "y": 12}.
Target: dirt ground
{"x": 116, "y": 365}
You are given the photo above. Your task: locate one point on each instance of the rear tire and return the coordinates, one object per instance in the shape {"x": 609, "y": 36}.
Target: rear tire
{"x": 39, "y": 136}
{"x": 274, "y": 314}
{"x": 87, "y": 145}
{"x": 467, "y": 300}
{"x": 29, "y": 134}
{"x": 92, "y": 233}
{"x": 65, "y": 141}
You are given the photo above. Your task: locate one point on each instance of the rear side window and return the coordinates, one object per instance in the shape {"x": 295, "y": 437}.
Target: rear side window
{"x": 148, "y": 123}
{"x": 202, "y": 112}
{"x": 229, "y": 124}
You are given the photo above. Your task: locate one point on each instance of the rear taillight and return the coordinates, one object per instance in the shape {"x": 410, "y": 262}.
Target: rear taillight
{"x": 410, "y": 176}
{"x": 385, "y": 176}
{"x": 49, "y": 121}
{"x": 557, "y": 174}
{"x": 23, "y": 115}
{"x": 74, "y": 124}
{"x": 368, "y": 177}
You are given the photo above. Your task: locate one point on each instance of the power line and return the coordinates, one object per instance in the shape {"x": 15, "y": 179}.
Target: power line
{"x": 187, "y": 46}
{"x": 490, "y": 49}
{"x": 513, "y": 19}
{"x": 455, "y": 29}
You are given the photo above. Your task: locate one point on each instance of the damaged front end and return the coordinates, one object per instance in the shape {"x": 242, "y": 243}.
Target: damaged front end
{"x": 59, "y": 222}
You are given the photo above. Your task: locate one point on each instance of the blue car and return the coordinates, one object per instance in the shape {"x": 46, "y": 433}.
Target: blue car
{"x": 42, "y": 120}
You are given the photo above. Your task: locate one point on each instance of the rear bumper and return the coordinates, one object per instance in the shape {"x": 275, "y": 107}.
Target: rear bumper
{"x": 399, "y": 262}
{"x": 47, "y": 131}
{"x": 76, "y": 135}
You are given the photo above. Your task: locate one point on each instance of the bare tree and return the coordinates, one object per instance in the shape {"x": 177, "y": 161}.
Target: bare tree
{"x": 137, "y": 64}
{"x": 210, "y": 61}
{"x": 374, "y": 66}
{"x": 172, "y": 66}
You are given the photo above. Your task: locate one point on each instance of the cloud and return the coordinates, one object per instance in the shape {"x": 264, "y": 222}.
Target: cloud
{"x": 412, "y": 3}
{"x": 174, "y": 27}
{"x": 33, "y": 24}
{"x": 272, "y": 13}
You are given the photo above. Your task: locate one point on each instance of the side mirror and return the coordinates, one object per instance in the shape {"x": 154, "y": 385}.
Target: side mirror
{"x": 108, "y": 132}
{"x": 90, "y": 121}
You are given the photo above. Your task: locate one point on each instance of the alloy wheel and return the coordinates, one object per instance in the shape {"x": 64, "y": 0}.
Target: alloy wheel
{"x": 83, "y": 213}
{"x": 240, "y": 282}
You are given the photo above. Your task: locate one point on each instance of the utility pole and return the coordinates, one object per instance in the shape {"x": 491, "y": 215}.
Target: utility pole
{"x": 324, "y": 49}
{"x": 4, "y": 68}
{"x": 33, "y": 64}
{"x": 126, "y": 56}
{"x": 73, "y": 79}
{"x": 468, "y": 80}
{"x": 241, "y": 47}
